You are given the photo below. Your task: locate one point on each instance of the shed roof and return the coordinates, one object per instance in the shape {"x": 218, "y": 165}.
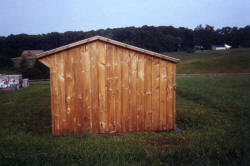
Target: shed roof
{"x": 100, "y": 38}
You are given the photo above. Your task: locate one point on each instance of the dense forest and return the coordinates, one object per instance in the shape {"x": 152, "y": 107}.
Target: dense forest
{"x": 159, "y": 39}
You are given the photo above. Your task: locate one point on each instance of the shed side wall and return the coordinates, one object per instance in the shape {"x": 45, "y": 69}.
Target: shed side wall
{"x": 102, "y": 88}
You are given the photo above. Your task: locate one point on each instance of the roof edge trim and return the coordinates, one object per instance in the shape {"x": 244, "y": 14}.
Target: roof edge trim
{"x": 71, "y": 45}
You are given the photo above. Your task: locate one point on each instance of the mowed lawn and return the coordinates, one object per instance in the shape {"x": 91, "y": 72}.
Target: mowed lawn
{"x": 208, "y": 61}
{"x": 212, "y": 113}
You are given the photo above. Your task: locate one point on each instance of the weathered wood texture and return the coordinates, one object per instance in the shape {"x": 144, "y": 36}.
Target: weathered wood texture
{"x": 98, "y": 87}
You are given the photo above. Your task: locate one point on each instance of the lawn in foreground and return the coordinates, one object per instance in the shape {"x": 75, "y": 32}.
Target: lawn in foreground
{"x": 213, "y": 113}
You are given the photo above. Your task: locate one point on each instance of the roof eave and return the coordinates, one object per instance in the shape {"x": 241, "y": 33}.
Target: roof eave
{"x": 68, "y": 46}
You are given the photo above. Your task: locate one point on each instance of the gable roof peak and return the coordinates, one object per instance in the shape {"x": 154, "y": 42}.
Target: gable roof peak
{"x": 107, "y": 40}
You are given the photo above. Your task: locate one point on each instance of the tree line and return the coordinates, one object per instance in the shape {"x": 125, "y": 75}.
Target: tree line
{"x": 159, "y": 39}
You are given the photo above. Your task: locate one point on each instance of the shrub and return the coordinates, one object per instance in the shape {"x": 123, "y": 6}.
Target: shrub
{"x": 5, "y": 62}
{"x": 39, "y": 71}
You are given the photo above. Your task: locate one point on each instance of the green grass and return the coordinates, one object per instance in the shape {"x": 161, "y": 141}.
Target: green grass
{"x": 208, "y": 61}
{"x": 213, "y": 113}
{"x": 183, "y": 56}
{"x": 222, "y": 64}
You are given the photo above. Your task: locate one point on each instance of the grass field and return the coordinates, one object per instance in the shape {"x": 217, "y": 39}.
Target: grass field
{"x": 208, "y": 61}
{"x": 212, "y": 113}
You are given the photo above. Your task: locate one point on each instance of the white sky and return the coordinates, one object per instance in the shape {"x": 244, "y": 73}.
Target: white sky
{"x": 43, "y": 16}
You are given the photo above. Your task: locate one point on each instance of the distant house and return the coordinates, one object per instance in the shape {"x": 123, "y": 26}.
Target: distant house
{"x": 198, "y": 47}
{"x": 31, "y": 53}
{"x": 221, "y": 47}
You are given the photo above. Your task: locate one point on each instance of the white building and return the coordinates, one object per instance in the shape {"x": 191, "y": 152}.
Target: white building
{"x": 12, "y": 81}
{"x": 221, "y": 47}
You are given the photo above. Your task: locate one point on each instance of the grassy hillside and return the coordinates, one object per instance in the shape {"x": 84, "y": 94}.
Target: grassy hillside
{"x": 208, "y": 61}
{"x": 213, "y": 113}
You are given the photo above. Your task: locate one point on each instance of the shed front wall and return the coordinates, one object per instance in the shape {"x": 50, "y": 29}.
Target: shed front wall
{"x": 101, "y": 88}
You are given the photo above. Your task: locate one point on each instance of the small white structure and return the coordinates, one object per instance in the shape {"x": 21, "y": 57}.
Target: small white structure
{"x": 221, "y": 47}
{"x": 12, "y": 82}
{"x": 25, "y": 83}
{"x": 227, "y": 46}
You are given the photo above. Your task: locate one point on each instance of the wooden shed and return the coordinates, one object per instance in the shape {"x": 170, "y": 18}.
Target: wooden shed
{"x": 100, "y": 85}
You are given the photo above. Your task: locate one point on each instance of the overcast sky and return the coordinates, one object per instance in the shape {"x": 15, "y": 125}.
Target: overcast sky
{"x": 43, "y": 16}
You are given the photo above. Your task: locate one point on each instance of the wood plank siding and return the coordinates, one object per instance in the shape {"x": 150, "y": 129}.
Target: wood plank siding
{"x": 100, "y": 87}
